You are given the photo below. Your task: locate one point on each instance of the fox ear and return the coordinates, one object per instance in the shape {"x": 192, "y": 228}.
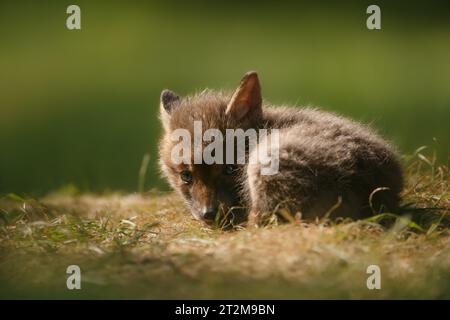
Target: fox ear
{"x": 169, "y": 100}
{"x": 247, "y": 97}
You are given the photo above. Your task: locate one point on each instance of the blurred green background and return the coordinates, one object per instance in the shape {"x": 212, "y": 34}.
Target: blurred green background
{"x": 80, "y": 107}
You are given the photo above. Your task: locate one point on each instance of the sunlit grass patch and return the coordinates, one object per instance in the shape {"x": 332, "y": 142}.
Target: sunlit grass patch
{"x": 148, "y": 246}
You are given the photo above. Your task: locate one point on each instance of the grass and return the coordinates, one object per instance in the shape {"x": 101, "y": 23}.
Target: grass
{"x": 148, "y": 246}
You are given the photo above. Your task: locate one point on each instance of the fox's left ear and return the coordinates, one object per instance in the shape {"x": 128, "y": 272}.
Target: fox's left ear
{"x": 247, "y": 98}
{"x": 169, "y": 100}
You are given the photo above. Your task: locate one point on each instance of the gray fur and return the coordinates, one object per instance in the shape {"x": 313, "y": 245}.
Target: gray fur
{"x": 323, "y": 157}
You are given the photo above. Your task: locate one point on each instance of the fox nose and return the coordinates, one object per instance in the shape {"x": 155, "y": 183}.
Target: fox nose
{"x": 209, "y": 213}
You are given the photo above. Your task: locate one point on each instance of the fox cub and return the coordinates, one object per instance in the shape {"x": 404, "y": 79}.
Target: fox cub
{"x": 327, "y": 164}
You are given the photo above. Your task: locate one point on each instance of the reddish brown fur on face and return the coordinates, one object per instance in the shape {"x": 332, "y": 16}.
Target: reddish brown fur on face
{"x": 323, "y": 158}
{"x": 211, "y": 187}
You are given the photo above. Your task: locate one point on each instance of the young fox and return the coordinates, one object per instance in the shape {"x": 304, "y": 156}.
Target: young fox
{"x": 327, "y": 164}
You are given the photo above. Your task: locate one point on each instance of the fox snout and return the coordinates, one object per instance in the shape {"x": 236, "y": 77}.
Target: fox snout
{"x": 223, "y": 208}
{"x": 205, "y": 204}
{"x": 206, "y": 214}
{"x": 211, "y": 195}
{"x": 209, "y": 213}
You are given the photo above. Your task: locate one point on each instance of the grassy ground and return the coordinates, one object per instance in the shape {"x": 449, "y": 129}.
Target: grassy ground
{"x": 147, "y": 246}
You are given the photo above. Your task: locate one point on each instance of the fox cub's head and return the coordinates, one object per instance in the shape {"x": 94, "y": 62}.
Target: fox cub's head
{"x": 210, "y": 188}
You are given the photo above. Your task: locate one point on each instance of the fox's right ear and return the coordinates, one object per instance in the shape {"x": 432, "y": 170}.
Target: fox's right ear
{"x": 169, "y": 100}
{"x": 246, "y": 100}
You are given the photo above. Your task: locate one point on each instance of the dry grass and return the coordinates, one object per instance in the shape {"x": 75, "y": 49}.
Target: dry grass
{"x": 147, "y": 246}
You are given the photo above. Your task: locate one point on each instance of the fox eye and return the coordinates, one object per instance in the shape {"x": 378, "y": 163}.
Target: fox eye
{"x": 186, "y": 176}
{"x": 230, "y": 169}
